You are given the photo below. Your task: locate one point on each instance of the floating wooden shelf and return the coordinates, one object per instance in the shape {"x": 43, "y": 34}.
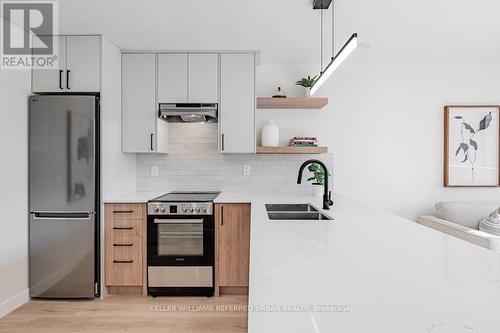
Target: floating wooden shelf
{"x": 291, "y": 150}
{"x": 291, "y": 103}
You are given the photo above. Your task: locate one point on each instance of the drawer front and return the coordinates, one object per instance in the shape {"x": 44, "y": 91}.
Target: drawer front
{"x": 125, "y": 211}
{"x": 124, "y": 244}
{"x": 126, "y": 227}
{"x": 123, "y": 269}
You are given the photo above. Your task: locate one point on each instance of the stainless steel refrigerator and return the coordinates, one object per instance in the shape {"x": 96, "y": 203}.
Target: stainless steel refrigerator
{"x": 63, "y": 196}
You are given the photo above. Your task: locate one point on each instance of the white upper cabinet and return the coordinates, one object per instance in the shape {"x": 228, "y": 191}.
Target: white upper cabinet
{"x": 139, "y": 116}
{"x": 79, "y": 67}
{"x": 172, "y": 78}
{"x": 82, "y": 63}
{"x": 51, "y": 80}
{"x": 188, "y": 78}
{"x": 237, "y": 103}
{"x": 203, "y": 73}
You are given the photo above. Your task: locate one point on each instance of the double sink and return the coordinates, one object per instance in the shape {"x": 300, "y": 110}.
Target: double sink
{"x": 297, "y": 212}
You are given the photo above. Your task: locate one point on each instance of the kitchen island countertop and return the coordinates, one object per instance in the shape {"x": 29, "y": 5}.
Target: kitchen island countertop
{"x": 364, "y": 271}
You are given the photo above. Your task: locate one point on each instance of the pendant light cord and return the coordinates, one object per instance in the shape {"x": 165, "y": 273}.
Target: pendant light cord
{"x": 321, "y": 42}
{"x": 333, "y": 30}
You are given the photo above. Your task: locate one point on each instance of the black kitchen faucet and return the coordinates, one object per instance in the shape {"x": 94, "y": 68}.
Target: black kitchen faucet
{"x": 327, "y": 195}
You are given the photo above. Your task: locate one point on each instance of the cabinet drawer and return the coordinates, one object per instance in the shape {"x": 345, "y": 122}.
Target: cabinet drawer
{"x": 125, "y": 211}
{"x": 123, "y": 269}
{"x": 126, "y": 227}
{"x": 124, "y": 244}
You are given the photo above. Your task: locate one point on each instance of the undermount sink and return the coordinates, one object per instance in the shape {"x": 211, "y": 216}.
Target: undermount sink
{"x": 290, "y": 208}
{"x": 298, "y": 212}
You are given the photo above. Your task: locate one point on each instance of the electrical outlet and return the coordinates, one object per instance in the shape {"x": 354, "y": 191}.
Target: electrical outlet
{"x": 154, "y": 171}
{"x": 247, "y": 170}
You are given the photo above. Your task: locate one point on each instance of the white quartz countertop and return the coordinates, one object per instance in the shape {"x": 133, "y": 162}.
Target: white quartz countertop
{"x": 364, "y": 271}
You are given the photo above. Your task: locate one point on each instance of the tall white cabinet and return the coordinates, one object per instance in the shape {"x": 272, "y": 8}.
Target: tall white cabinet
{"x": 142, "y": 130}
{"x": 237, "y": 103}
{"x": 79, "y": 67}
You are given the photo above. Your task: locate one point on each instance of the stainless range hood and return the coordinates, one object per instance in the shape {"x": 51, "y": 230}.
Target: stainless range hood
{"x": 188, "y": 112}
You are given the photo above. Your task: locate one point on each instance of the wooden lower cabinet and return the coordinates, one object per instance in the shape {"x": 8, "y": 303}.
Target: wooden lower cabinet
{"x": 125, "y": 248}
{"x": 232, "y": 248}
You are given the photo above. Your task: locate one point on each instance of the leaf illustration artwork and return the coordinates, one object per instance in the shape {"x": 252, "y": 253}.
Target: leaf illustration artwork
{"x": 467, "y": 135}
{"x": 469, "y": 127}
{"x": 485, "y": 122}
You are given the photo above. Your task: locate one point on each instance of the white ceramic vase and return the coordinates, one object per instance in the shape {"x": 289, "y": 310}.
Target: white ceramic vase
{"x": 270, "y": 136}
{"x": 317, "y": 190}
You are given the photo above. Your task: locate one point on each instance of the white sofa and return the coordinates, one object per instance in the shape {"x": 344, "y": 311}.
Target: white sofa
{"x": 461, "y": 219}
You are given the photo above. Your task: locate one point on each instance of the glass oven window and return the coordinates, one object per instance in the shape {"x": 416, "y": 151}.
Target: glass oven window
{"x": 180, "y": 237}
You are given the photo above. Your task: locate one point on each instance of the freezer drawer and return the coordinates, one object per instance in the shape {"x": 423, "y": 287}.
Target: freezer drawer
{"x": 62, "y": 255}
{"x": 62, "y": 161}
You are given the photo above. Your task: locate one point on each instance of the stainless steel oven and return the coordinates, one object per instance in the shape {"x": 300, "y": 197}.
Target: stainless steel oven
{"x": 181, "y": 244}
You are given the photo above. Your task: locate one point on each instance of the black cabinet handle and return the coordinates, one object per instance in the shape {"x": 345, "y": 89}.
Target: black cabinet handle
{"x": 67, "y": 78}
{"x": 123, "y": 228}
{"x": 123, "y": 261}
{"x": 222, "y": 141}
{"x": 151, "y": 141}
{"x": 120, "y": 244}
{"x": 60, "y": 79}
{"x": 221, "y": 215}
{"x": 122, "y": 211}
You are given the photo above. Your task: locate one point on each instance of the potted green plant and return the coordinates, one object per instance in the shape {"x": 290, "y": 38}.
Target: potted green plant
{"x": 307, "y": 83}
{"x": 317, "y": 177}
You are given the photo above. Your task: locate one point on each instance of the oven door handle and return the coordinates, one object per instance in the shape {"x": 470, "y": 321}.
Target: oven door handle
{"x": 188, "y": 221}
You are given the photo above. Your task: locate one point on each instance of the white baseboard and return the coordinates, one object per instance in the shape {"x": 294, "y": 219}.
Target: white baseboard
{"x": 14, "y": 302}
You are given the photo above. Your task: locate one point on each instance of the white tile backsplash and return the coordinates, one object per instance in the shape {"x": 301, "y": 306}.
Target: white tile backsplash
{"x": 193, "y": 163}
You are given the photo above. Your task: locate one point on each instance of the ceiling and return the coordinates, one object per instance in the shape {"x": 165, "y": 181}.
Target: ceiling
{"x": 287, "y": 31}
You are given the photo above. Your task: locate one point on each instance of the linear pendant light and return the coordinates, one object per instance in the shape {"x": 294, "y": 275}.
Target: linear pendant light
{"x": 337, "y": 59}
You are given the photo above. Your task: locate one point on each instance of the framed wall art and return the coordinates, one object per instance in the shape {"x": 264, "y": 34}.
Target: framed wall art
{"x": 471, "y": 146}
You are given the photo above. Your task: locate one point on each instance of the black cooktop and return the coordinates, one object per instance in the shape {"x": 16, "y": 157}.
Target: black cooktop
{"x": 186, "y": 197}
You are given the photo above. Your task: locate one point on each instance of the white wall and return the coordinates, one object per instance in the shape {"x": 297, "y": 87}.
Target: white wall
{"x": 386, "y": 103}
{"x": 14, "y": 91}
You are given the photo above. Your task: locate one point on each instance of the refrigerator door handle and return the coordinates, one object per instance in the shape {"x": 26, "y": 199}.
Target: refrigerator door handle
{"x": 62, "y": 216}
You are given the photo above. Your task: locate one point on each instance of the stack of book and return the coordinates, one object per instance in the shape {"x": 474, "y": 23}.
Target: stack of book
{"x": 303, "y": 141}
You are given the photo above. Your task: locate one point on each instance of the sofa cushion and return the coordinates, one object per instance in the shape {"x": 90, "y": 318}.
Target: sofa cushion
{"x": 466, "y": 213}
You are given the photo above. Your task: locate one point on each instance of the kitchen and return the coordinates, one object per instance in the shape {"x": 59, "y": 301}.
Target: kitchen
{"x": 182, "y": 199}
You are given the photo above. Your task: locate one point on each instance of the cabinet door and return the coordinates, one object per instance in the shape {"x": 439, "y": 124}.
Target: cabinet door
{"x": 50, "y": 80}
{"x": 203, "y": 75}
{"x": 172, "y": 78}
{"x": 83, "y": 63}
{"x": 233, "y": 244}
{"x": 237, "y": 103}
{"x": 138, "y": 103}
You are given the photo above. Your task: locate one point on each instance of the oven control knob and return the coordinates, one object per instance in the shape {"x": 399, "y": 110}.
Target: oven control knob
{"x": 198, "y": 209}
{"x": 190, "y": 210}
{"x": 204, "y": 210}
{"x": 162, "y": 209}
{"x": 156, "y": 209}
{"x": 185, "y": 210}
